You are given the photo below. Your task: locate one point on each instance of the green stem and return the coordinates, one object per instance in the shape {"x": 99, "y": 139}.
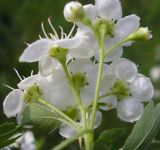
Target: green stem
{"x": 102, "y": 96}
{"x": 116, "y": 45}
{"x": 70, "y": 140}
{"x": 60, "y": 113}
{"x": 98, "y": 84}
{"x": 78, "y": 100}
{"x": 76, "y": 94}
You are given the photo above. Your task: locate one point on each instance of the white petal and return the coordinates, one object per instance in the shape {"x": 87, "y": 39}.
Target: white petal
{"x": 24, "y": 84}
{"x": 142, "y": 88}
{"x": 80, "y": 66}
{"x": 53, "y": 87}
{"x": 91, "y": 11}
{"x": 13, "y": 103}
{"x": 126, "y": 26}
{"x": 36, "y": 50}
{"x": 109, "y": 8}
{"x": 47, "y": 65}
{"x": 98, "y": 119}
{"x": 110, "y": 101}
{"x": 115, "y": 53}
{"x": 107, "y": 83}
{"x": 125, "y": 70}
{"x": 86, "y": 49}
{"x": 70, "y": 43}
{"x": 130, "y": 109}
{"x": 66, "y": 131}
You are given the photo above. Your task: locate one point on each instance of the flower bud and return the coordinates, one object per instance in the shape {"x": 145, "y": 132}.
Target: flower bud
{"x": 58, "y": 53}
{"x": 73, "y": 12}
{"x": 141, "y": 34}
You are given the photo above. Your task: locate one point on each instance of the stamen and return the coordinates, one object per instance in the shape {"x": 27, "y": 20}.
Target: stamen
{"x": 65, "y": 35}
{"x": 18, "y": 74}
{"x": 26, "y": 43}
{"x": 9, "y": 87}
{"x": 44, "y": 32}
{"x": 72, "y": 29}
{"x": 54, "y": 31}
{"x": 62, "y": 33}
{"x": 40, "y": 37}
{"x": 32, "y": 73}
{"x": 52, "y": 36}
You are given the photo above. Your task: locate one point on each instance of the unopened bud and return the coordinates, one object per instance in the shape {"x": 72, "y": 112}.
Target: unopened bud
{"x": 141, "y": 34}
{"x": 74, "y": 12}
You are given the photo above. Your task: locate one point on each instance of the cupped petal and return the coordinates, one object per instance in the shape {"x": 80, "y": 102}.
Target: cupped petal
{"x": 115, "y": 53}
{"x": 107, "y": 83}
{"x": 66, "y": 131}
{"x": 36, "y": 50}
{"x": 47, "y": 65}
{"x": 142, "y": 88}
{"x": 129, "y": 109}
{"x": 126, "y": 26}
{"x": 24, "y": 84}
{"x": 13, "y": 103}
{"x": 109, "y": 8}
{"x": 91, "y": 11}
{"x": 109, "y": 102}
{"x": 81, "y": 66}
{"x": 86, "y": 49}
{"x": 70, "y": 43}
{"x": 125, "y": 70}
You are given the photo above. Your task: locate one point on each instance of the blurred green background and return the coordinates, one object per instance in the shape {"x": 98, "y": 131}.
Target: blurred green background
{"x": 20, "y": 22}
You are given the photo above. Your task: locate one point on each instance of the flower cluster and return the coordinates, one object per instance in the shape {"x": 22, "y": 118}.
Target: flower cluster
{"x": 85, "y": 72}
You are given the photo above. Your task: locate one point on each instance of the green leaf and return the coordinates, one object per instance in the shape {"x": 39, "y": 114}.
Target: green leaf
{"x": 40, "y": 117}
{"x": 145, "y": 129}
{"x": 108, "y": 138}
{"x": 9, "y": 133}
{"x": 9, "y": 141}
{"x": 112, "y": 135}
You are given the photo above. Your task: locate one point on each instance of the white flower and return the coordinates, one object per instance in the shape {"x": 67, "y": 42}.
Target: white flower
{"x": 14, "y": 102}
{"x": 129, "y": 90}
{"x": 39, "y": 50}
{"x": 54, "y": 85}
{"x": 110, "y": 9}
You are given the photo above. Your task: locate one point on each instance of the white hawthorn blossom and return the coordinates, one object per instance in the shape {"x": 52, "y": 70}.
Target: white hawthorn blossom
{"x": 39, "y": 50}
{"x": 110, "y": 10}
{"x": 129, "y": 89}
{"x": 14, "y": 101}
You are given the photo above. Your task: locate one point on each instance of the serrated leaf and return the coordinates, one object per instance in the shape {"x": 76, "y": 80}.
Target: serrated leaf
{"x": 39, "y": 116}
{"x": 145, "y": 129}
{"x": 112, "y": 135}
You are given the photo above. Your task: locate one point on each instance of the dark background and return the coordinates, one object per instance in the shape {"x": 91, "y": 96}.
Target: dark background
{"x": 20, "y": 22}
